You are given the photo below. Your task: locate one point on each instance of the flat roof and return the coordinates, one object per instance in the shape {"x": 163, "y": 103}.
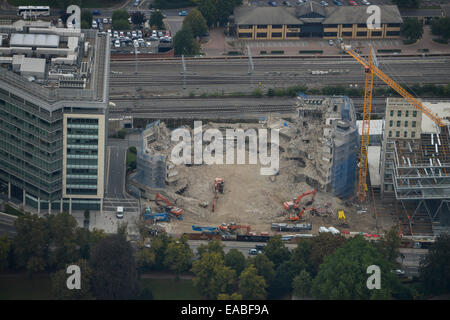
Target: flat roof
{"x": 376, "y": 127}
{"x": 421, "y": 12}
{"x": 358, "y": 14}
{"x": 373, "y": 160}
{"x": 441, "y": 108}
{"x": 34, "y": 40}
{"x": 32, "y": 65}
{"x": 265, "y": 15}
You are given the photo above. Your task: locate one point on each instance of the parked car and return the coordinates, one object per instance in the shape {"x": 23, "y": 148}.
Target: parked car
{"x": 117, "y": 44}
{"x": 352, "y": 3}
{"x": 331, "y": 42}
{"x": 253, "y": 252}
{"x": 134, "y": 34}
{"x": 365, "y": 2}
{"x": 324, "y": 3}
{"x": 121, "y": 34}
{"x": 119, "y": 213}
{"x": 182, "y": 13}
{"x": 273, "y": 4}
{"x": 337, "y": 2}
{"x": 137, "y": 2}
{"x": 105, "y": 20}
{"x": 94, "y": 24}
{"x": 96, "y": 13}
{"x": 116, "y": 34}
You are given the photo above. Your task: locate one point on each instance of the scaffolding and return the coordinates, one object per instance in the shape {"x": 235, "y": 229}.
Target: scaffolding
{"x": 421, "y": 174}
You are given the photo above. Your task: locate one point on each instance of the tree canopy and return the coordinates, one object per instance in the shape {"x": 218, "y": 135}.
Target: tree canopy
{"x": 412, "y": 29}
{"x": 301, "y": 284}
{"x": 196, "y": 22}
{"x": 137, "y": 18}
{"x": 184, "y": 43}
{"x": 323, "y": 245}
{"x": 5, "y": 249}
{"x": 441, "y": 27}
{"x": 343, "y": 275}
{"x": 156, "y": 20}
{"x": 407, "y": 3}
{"x": 251, "y": 285}
{"x": 178, "y": 257}
{"x": 276, "y": 251}
{"x": 235, "y": 260}
{"x": 114, "y": 274}
{"x": 59, "y": 283}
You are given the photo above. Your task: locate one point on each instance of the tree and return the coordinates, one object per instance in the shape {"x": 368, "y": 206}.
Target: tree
{"x": 114, "y": 274}
{"x": 137, "y": 18}
{"x": 225, "y": 296}
{"x": 251, "y": 285}
{"x": 31, "y": 244}
{"x": 343, "y": 275}
{"x": 212, "y": 246}
{"x": 212, "y": 277}
{"x": 282, "y": 282}
{"x": 184, "y": 42}
{"x": 156, "y": 20}
{"x": 208, "y": 11}
{"x": 62, "y": 227}
{"x": 86, "y": 19}
{"x": 434, "y": 268}
{"x": 276, "y": 251}
{"x": 5, "y": 249}
{"x": 120, "y": 15}
{"x": 235, "y": 260}
{"x": 146, "y": 294}
{"x": 302, "y": 284}
{"x": 441, "y": 27}
{"x": 178, "y": 257}
{"x": 59, "y": 283}
{"x": 407, "y": 3}
{"x": 158, "y": 248}
{"x": 87, "y": 240}
{"x": 264, "y": 266}
{"x": 301, "y": 256}
{"x": 324, "y": 245}
{"x": 121, "y": 25}
{"x": 390, "y": 245}
{"x": 412, "y": 29}
{"x": 195, "y": 21}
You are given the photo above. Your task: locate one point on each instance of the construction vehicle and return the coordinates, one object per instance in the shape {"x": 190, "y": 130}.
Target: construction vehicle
{"x": 295, "y": 206}
{"x": 300, "y": 214}
{"x": 156, "y": 217}
{"x": 213, "y": 230}
{"x": 232, "y": 227}
{"x": 219, "y": 185}
{"x": 341, "y": 215}
{"x": 169, "y": 207}
{"x": 371, "y": 68}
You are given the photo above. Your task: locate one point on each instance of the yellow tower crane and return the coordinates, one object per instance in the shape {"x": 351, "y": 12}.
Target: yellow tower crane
{"x": 371, "y": 68}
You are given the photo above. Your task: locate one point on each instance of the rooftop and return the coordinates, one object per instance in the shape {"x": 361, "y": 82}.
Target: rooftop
{"x": 358, "y": 14}
{"x": 265, "y": 15}
{"x": 441, "y": 108}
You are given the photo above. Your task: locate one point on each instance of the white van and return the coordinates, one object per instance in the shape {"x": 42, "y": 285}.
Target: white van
{"x": 119, "y": 213}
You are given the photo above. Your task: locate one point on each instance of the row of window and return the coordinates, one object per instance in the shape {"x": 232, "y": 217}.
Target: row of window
{"x": 360, "y": 25}
{"x": 399, "y": 113}
{"x": 391, "y": 123}
{"x": 405, "y": 134}
{"x": 265, "y": 26}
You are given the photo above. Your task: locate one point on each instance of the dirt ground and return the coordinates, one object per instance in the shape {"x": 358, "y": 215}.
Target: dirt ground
{"x": 256, "y": 200}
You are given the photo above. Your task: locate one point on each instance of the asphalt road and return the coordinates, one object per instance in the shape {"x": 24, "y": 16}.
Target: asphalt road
{"x": 165, "y": 78}
{"x": 116, "y": 172}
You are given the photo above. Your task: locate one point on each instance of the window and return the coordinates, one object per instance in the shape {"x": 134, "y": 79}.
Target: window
{"x": 293, "y": 26}
{"x": 393, "y": 25}
{"x": 245, "y": 26}
{"x": 346, "y": 34}
{"x": 413, "y": 134}
{"x": 245, "y": 35}
{"x": 330, "y": 26}
{"x": 406, "y": 124}
{"x": 277, "y": 26}
{"x": 399, "y": 113}
{"x": 392, "y": 113}
{"x": 405, "y": 134}
{"x": 414, "y": 114}
{"x": 362, "y": 25}
{"x": 361, "y": 34}
{"x": 292, "y": 34}
{"x": 397, "y": 134}
{"x": 261, "y": 35}
{"x": 262, "y": 26}
{"x": 406, "y": 113}
{"x": 330, "y": 34}
{"x": 347, "y": 25}
{"x": 376, "y": 34}
{"x": 393, "y": 33}
{"x": 413, "y": 124}
{"x": 391, "y": 123}
{"x": 398, "y": 124}
{"x": 277, "y": 34}
{"x": 390, "y": 134}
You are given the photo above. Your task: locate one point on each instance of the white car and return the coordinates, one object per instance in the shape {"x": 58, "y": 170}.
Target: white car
{"x": 154, "y": 34}
{"x": 109, "y": 32}
{"x": 134, "y": 34}
{"x": 116, "y": 34}
{"x": 121, "y": 34}
{"x": 148, "y": 44}
{"x": 117, "y": 44}
{"x": 330, "y": 42}
{"x": 119, "y": 213}
{"x": 365, "y": 2}
{"x": 94, "y": 24}
{"x": 105, "y": 20}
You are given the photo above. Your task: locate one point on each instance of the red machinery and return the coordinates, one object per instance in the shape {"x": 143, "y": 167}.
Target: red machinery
{"x": 295, "y": 204}
{"x": 169, "y": 207}
{"x": 232, "y": 227}
{"x": 218, "y": 187}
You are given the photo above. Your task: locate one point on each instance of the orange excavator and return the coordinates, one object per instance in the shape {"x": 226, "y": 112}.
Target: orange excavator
{"x": 295, "y": 204}
{"x": 300, "y": 214}
{"x": 169, "y": 206}
{"x": 219, "y": 185}
{"x": 232, "y": 227}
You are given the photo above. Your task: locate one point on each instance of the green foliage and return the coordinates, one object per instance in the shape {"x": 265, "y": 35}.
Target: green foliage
{"x": 257, "y": 93}
{"x": 212, "y": 277}
{"x": 434, "y": 268}
{"x": 145, "y": 258}
{"x": 412, "y": 29}
{"x": 212, "y": 246}
{"x": 282, "y": 282}
{"x": 122, "y": 133}
{"x": 217, "y": 12}
{"x": 86, "y": 19}
{"x": 146, "y": 294}
{"x": 441, "y": 27}
{"x": 407, "y": 3}
{"x": 270, "y": 92}
{"x": 276, "y": 251}
{"x": 87, "y": 240}
{"x": 195, "y": 21}
{"x": 324, "y": 245}
{"x": 131, "y": 158}
{"x": 235, "y": 260}
{"x": 120, "y": 23}
{"x": 114, "y": 274}
{"x": 264, "y": 266}
{"x": 184, "y": 42}
{"x": 343, "y": 275}
{"x": 31, "y": 243}
{"x": 225, "y": 296}
{"x": 178, "y": 257}
{"x": 120, "y": 15}
{"x": 5, "y": 249}
{"x": 208, "y": 10}
{"x": 137, "y": 18}
{"x": 158, "y": 247}
{"x": 59, "y": 283}
{"x": 156, "y": 20}
{"x": 390, "y": 244}
{"x": 301, "y": 284}
{"x": 251, "y": 285}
